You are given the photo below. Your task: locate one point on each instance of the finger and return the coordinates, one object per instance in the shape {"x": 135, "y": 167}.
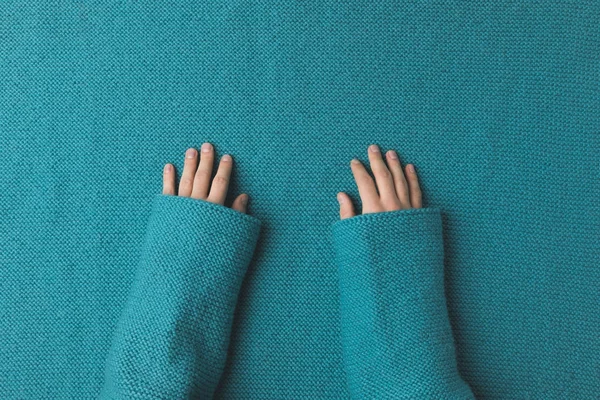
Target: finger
{"x": 240, "y": 203}
{"x": 189, "y": 169}
{"x": 384, "y": 179}
{"x": 346, "y": 207}
{"x": 204, "y": 172}
{"x": 399, "y": 179}
{"x": 366, "y": 186}
{"x": 413, "y": 184}
{"x": 169, "y": 179}
{"x": 220, "y": 184}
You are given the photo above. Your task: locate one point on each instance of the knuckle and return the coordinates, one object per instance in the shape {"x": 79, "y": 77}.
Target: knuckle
{"x": 203, "y": 174}
{"x": 401, "y": 184}
{"x": 392, "y": 204}
{"x": 395, "y": 169}
{"x": 220, "y": 180}
{"x": 365, "y": 178}
{"x": 385, "y": 173}
{"x": 399, "y": 178}
{"x": 186, "y": 181}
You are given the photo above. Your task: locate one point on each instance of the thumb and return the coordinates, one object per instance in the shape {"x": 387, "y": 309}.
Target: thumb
{"x": 346, "y": 207}
{"x": 240, "y": 203}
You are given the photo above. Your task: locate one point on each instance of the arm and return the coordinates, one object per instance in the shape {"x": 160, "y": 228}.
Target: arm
{"x": 172, "y": 338}
{"x": 396, "y": 336}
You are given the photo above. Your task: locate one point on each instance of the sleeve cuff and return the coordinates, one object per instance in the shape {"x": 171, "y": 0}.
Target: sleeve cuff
{"x": 396, "y": 335}
{"x": 172, "y": 338}
{"x": 191, "y": 238}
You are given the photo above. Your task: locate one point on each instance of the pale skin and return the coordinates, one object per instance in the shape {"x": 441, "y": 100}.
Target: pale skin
{"x": 393, "y": 188}
{"x": 196, "y": 178}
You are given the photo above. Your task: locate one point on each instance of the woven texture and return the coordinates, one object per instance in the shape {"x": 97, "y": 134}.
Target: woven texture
{"x": 108, "y": 289}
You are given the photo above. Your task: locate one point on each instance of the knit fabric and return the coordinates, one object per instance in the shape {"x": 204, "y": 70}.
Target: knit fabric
{"x": 109, "y": 289}
{"x": 396, "y": 337}
{"x": 172, "y": 340}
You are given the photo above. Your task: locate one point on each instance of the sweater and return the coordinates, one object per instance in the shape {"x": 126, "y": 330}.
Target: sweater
{"x": 109, "y": 289}
{"x": 172, "y": 339}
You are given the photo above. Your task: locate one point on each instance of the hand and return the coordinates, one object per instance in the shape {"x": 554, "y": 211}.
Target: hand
{"x": 195, "y": 182}
{"x": 395, "y": 191}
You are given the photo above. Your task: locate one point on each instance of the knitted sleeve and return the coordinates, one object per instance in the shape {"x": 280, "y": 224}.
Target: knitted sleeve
{"x": 397, "y": 341}
{"x": 172, "y": 338}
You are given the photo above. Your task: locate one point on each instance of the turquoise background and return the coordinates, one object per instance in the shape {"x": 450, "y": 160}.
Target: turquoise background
{"x": 496, "y": 103}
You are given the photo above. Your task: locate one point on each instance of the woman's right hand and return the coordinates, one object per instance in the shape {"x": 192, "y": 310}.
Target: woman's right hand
{"x": 196, "y": 179}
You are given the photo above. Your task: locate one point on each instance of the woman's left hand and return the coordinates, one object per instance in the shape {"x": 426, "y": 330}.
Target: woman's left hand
{"x": 396, "y": 191}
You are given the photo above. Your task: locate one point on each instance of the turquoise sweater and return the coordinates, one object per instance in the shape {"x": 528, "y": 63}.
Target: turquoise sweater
{"x": 396, "y": 339}
{"x": 109, "y": 289}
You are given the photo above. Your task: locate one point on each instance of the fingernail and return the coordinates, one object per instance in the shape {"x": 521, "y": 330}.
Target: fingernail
{"x": 226, "y": 157}
{"x": 244, "y": 200}
{"x": 340, "y": 198}
{"x": 190, "y": 153}
{"x": 411, "y": 168}
{"x": 393, "y": 155}
{"x": 206, "y": 147}
{"x": 374, "y": 148}
{"x": 168, "y": 168}
{"x": 355, "y": 161}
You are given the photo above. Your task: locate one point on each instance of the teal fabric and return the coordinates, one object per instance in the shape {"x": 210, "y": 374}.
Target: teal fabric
{"x": 396, "y": 336}
{"x": 172, "y": 340}
{"x": 109, "y": 289}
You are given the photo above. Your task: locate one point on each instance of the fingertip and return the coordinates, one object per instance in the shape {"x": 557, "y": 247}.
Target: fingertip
{"x": 374, "y": 150}
{"x": 240, "y": 203}
{"x": 346, "y": 207}
{"x": 392, "y": 155}
{"x": 168, "y": 179}
{"x": 191, "y": 153}
{"x": 206, "y": 148}
{"x": 244, "y": 201}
